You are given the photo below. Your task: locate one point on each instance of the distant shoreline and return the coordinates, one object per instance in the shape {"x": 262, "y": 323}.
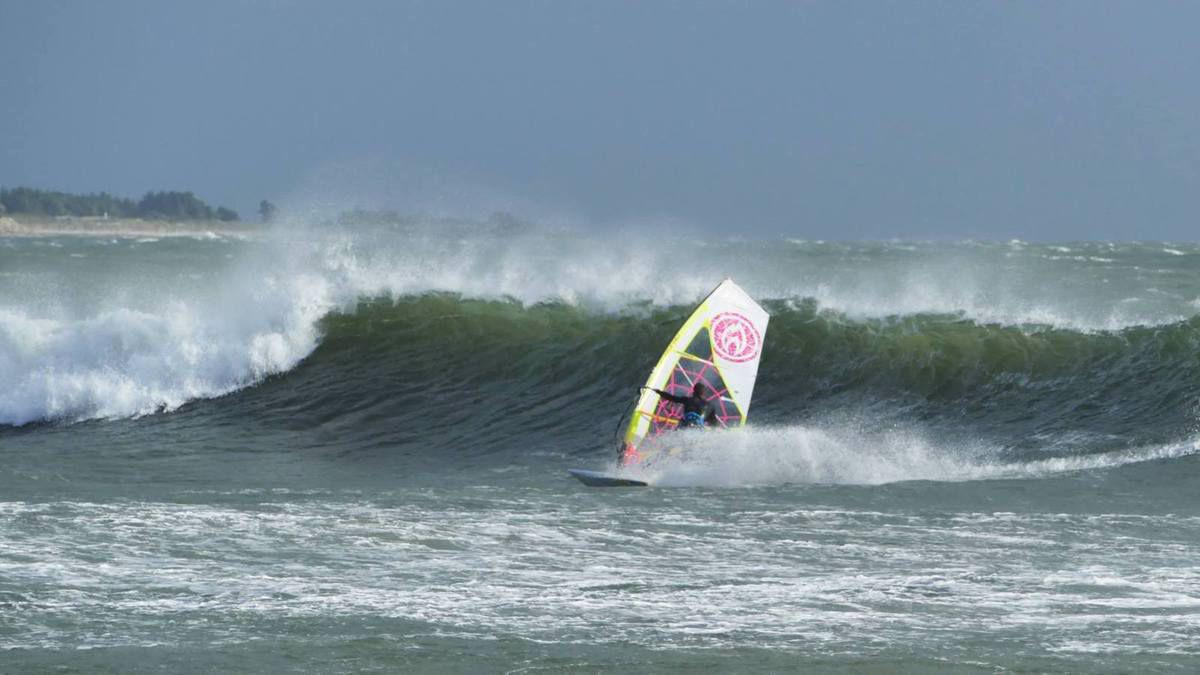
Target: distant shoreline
{"x": 96, "y": 226}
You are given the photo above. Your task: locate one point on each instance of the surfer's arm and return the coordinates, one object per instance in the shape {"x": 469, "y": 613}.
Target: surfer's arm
{"x": 670, "y": 397}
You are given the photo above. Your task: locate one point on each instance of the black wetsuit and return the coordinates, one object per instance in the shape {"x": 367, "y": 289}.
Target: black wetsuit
{"x": 697, "y": 412}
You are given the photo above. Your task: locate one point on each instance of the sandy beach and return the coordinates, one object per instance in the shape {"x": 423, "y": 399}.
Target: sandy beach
{"x": 42, "y": 226}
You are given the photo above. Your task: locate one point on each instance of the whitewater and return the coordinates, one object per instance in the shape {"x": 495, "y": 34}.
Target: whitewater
{"x": 340, "y": 445}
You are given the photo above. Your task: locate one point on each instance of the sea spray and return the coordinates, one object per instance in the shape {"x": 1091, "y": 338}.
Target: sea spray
{"x": 137, "y": 326}
{"x": 861, "y": 455}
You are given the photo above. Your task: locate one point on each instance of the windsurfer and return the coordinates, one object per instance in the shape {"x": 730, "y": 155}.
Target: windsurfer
{"x": 698, "y": 411}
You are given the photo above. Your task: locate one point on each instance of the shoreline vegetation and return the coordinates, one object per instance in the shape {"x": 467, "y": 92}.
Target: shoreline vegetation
{"x": 31, "y": 212}
{"x": 27, "y": 212}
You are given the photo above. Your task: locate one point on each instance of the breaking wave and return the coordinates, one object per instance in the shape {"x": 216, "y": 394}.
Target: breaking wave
{"x": 379, "y": 319}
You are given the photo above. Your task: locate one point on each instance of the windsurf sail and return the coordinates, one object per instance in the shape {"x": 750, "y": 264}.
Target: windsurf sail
{"x": 720, "y": 345}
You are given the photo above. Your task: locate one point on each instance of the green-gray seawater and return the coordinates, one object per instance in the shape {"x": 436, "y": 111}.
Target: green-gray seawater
{"x": 345, "y": 450}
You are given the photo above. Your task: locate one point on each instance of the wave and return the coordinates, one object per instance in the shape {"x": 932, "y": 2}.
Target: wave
{"x": 487, "y": 377}
{"x": 445, "y": 308}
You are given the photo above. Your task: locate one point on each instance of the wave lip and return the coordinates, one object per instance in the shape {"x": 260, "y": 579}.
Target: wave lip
{"x": 127, "y": 362}
{"x": 1097, "y": 287}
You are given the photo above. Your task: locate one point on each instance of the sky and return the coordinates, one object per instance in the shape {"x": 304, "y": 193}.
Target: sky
{"x": 821, "y": 120}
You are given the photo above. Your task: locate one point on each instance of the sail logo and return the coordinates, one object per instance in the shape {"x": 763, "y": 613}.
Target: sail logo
{"x": 735, "y": 338}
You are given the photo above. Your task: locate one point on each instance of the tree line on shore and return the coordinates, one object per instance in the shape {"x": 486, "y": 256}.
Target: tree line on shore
{"x": 152, "y": 206}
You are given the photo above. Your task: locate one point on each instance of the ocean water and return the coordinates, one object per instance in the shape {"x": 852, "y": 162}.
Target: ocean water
{"x": 343, "y": 448}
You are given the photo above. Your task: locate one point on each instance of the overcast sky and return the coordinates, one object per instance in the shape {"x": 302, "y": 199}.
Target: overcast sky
{"x": 1040, "y": 120}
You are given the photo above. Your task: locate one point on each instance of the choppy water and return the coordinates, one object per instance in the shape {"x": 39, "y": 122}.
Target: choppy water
{"x": 344, "y": 448}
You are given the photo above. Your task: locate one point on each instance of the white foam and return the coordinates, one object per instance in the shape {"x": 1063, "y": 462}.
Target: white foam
{"x": 784, "y": 575}
{"x": 122, "y": 361}
{"x": 781, "y": 455}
